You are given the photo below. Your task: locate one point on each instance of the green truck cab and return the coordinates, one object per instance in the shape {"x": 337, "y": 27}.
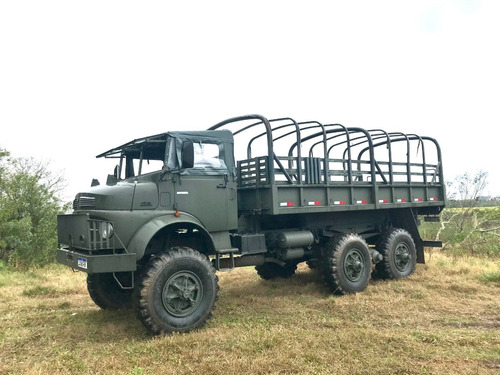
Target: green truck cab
{"x": 249, "y": 192}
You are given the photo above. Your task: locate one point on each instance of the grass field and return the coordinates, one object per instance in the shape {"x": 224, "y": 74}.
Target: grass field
{"x": 445, "y": 319}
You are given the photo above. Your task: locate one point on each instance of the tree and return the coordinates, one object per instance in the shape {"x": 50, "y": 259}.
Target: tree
{"x": 29, "y": 205}
{"x": 465, "y": 191}
{"x": 466, "y": 226}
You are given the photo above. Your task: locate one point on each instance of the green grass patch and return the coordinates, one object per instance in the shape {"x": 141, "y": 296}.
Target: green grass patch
{"x": 137, "y": 371}
{"x": 490, "y": 277}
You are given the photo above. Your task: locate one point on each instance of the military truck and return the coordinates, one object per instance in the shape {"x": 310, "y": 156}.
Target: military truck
{"x": 250, "y": 191}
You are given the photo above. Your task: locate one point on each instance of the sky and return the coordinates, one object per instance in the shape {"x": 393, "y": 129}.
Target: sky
{"x": 80, "y": 77}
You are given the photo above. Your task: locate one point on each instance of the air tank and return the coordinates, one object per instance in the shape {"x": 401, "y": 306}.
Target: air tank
{"x": 295, "y": 239}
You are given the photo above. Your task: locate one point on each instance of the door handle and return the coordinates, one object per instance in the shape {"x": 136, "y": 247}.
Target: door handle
{"x": 224, "y": 185}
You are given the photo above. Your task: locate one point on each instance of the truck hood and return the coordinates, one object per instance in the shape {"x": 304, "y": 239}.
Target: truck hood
{"x": 117, "y": 197}
{"x": 124, "y": 195}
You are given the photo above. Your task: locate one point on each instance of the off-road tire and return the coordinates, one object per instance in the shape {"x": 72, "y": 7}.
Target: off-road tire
{"x": 106, "y": 293}
{"x": 177, "y": 292}
{"x": 270, "y": 270}
{"x": 346, "y": 264}
{"x": 400, "y": 255}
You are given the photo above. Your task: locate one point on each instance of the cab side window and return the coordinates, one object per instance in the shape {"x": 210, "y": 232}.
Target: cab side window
{"x": 208, "y": 155}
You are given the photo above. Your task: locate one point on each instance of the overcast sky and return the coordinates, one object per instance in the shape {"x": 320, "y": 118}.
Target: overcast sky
{"x": 78, "y": 78}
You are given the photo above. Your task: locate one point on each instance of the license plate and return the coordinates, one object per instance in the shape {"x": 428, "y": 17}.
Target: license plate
{"x": 82, "y": 263}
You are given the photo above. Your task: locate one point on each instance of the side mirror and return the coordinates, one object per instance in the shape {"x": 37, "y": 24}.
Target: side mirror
{"x": 187, "y": 155}
{"x": 111, "y": 180}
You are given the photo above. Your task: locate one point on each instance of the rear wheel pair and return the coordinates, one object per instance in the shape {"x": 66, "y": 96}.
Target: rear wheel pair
{"x": 347, "y": 260}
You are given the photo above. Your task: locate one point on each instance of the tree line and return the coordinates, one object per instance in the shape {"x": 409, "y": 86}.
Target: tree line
{"x": 29, "y": 205}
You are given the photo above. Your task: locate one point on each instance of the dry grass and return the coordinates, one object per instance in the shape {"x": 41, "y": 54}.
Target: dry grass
{"x": 444, "y": 319}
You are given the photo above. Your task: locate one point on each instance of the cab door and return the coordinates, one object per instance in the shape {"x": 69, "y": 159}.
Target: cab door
{"x": 208, "y": 189}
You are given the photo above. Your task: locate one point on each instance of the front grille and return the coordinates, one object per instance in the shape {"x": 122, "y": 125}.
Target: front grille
{"x": 84, "y": 203}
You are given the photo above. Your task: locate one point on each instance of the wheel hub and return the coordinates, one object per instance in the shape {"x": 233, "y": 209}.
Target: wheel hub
{"x": 182, "y": 293}
{"x": 354, "y": 265}
{"x": 402, "y": 257}
{"x": 357, "y": 265}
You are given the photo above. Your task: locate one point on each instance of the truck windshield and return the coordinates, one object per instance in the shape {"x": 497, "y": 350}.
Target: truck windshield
{"x": 135, "y": 167}
{"x": 155, "y": 153}
{"x": 142, "y": 158}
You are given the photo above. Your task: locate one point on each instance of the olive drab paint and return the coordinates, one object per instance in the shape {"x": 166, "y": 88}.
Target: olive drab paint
{"x": 250, "y": 191}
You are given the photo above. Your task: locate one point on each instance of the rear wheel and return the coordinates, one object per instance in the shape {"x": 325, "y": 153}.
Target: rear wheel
{"x": 347, "y": 264}
{"x": 177, "y": 292}
{"x": 107, "y": 293}
{"x": 399, "y": 252}
{"x": 270, "y": 270}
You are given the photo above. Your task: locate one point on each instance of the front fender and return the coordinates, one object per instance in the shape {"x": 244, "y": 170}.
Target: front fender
{"x": 143, "y": 236}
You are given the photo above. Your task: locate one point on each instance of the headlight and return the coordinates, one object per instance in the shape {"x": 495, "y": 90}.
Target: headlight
{"x": 106, "y": 230}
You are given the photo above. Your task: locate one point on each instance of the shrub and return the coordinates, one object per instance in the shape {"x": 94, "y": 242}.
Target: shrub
{"x": 28, "y": 209}
{"x": 472, "y": 231}
{"x": 490, "y": 277}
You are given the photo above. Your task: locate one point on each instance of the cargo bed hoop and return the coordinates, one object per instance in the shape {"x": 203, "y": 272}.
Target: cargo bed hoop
{"x": 360, "y": 140}
{"x": 401, "y": 137}
{"x": 292, "y": 123}
{"x": 269, "y": 130}
{"x": 338, "y": 131}
{"x": 330, "y": 139}
{"x": 342, "y": 129}
{"x": 262, "y": 120}
{"x": 388, "y": 142}
{"x": 366, "y": 137}
{"x": 298, "y": 128}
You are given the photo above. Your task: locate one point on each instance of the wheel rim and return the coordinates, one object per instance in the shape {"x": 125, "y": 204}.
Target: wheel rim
{"x": 182, "y": 293}
{"x": 354, "y": 265}
{"x": 402, "y": 257}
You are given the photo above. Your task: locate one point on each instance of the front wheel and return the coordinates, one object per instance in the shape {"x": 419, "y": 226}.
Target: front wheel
{"x": 347, "y": 264}
{"x": 177, "y": 292}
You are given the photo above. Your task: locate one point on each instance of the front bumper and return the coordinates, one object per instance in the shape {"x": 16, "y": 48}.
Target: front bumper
{"x": 97, "y": 263}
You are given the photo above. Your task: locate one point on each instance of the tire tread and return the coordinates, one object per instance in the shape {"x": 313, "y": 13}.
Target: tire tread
{"x": 155, "y": 266}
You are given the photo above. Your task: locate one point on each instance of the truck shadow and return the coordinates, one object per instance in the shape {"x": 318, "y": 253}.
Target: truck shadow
{"x": 241, "y": 292}
{"x": 305, "y": 281}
